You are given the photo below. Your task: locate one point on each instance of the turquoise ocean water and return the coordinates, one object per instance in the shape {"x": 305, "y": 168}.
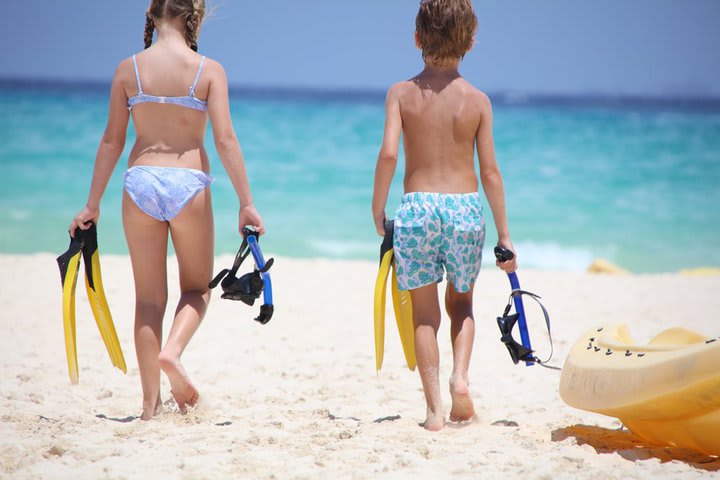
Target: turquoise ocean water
{"x": 636, "y": 183}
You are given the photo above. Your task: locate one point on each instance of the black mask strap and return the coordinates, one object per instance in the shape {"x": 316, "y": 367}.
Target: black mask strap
{"x": 240, "y": 257}
{"x": 507, "y": 323}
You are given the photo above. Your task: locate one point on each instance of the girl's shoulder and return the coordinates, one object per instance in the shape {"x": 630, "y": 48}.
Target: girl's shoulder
{"x": 125, "y": 72}
{"x": 213, "y": 67}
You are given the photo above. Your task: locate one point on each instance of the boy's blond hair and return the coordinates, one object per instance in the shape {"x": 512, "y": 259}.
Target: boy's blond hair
{"x": 446, "y": 28}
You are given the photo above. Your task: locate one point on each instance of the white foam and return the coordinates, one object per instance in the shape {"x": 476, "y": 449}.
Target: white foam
{"x": 345, "y": 249}
{"x": 547, "y": 256}
{"x": 19, "y": 215}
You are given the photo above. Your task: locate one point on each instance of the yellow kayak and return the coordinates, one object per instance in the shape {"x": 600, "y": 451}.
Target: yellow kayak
{"x": 667, "y": 392}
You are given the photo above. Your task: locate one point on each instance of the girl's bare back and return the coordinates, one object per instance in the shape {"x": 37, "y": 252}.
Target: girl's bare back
{"x": 168, "y": 135}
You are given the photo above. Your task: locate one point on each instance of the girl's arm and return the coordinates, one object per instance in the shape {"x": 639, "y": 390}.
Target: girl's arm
{"x": 228, "y": 146}
{"x": 109, "y": 151}
{"x": 492, "y": 181}
{"x": 387, "y": 158}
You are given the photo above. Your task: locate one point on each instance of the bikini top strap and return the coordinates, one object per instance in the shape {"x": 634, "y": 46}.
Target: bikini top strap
{"x": 197, "y": 77}
{"x": 137, "y": 75}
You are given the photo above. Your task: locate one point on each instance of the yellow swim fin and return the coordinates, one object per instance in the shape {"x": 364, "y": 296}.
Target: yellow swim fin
{"x": 85, "y": 242}
{"x": 98, "y": 302}
{"x": 401, "y": 305}
{"x": 380, "y": 292}
{"x": 69, "y": 263}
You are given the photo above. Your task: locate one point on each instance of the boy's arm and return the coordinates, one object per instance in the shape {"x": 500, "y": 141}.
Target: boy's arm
{"x": 387, "y": 159}
{"x": 492, "y": 181}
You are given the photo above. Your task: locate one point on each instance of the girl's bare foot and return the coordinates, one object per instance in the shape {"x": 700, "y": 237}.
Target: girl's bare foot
{"x": 182, "y": 389}
{"x": 152, "y": 410}
{"x": 462, "y": 405}
{"x": 435, "y": 421}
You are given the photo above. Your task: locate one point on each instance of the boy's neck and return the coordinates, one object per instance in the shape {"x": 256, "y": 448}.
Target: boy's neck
{"x": 445, "y": 66}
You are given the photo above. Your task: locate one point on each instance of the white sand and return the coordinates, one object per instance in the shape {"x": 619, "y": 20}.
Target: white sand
{"x": 299, "y": 398}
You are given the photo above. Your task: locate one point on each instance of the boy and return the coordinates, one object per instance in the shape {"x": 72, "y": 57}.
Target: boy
{"x": 440, "y": 221}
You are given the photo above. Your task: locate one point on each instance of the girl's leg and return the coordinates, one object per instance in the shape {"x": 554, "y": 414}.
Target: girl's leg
{"x": 193, "y": 238}
{"x": 426, "y": 317}
{"x": 147, "y": 240}
{"x": 462, "y": 335}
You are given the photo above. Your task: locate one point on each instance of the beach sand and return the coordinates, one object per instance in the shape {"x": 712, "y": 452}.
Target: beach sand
{"x": 299, "y": 397}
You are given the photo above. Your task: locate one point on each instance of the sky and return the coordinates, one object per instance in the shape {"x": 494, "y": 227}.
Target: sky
{"x": 558, "y": 47}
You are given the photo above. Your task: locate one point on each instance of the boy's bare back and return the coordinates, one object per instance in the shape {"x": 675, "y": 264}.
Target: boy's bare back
{"x": 441, "y": 117}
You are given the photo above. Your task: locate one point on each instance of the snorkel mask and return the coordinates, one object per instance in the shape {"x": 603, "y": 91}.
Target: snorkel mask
{"x": 519, "y": 351}
{"x": 248, "y": 287}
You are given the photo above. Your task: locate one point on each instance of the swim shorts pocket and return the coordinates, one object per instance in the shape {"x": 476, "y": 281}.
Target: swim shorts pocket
{"x": 469, "y": 234}
{"x": 411, "y": 218}
{"x": 469, "y": 220}
{"x": 414, "y": 231}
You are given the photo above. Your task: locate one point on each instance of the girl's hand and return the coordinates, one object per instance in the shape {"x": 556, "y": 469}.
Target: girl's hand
{"x": 508, "y": 266}
{"x": 82, "y": 220}
{"x": 250, "y": 216}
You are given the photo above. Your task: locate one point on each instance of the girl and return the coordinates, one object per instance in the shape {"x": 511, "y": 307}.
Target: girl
{"x": 170, "y": 91}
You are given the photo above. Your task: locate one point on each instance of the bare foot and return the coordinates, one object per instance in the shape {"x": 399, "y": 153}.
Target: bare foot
{"x": 158, "y": 406}
{"x": 434, "y": 421}
{"x": 152, "y": 410}
{"x": 182, "y": 389}
{"x": 462, "y": 405}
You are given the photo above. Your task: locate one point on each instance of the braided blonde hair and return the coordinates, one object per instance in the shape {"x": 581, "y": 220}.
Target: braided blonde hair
{"x": 191, "y": 11}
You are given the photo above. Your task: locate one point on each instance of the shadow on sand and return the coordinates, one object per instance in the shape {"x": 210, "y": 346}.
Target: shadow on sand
{"x": 119, "y": 420}
{"x": 633, "y": 448}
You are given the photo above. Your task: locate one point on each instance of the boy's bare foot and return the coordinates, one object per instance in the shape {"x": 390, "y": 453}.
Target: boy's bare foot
{"x": 435, "y": 421}
{"x": 462, "y": 405}
{"x": 182, "y": 389}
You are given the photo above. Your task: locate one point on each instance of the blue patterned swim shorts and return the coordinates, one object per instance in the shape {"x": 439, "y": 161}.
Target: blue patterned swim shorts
{"x": 436, "y": 230}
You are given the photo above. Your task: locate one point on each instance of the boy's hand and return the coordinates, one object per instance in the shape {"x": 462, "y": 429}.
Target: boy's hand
{"x": 380, "y": 223}
{"x": 508, "y": 266}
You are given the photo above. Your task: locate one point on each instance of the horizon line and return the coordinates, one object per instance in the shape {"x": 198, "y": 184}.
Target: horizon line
{"x": 364, "y": 94}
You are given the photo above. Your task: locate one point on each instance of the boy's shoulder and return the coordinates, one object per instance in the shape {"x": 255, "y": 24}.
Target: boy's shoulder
{"x": 476, "y": 94}
{"x": 399, "y": 89}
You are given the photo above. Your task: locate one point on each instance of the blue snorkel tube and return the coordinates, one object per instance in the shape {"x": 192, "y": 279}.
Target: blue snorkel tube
{"x": 266, "y": 310}
{"x": 520, "y": 309}
{"x": 247, "y": 288}
{"x": 504, "y": 255}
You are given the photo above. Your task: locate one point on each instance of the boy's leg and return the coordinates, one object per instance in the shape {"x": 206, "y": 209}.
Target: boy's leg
{"x": 426, "y": 317}
{"x": 193, "y": 239}
{"x": 462, "y": 335}
{"x": 147, "y": 242}
{"x": 416, "y": 242}
{"x": 465, "y": 233}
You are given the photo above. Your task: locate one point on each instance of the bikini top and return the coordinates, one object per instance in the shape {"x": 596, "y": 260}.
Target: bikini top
{"x": 189, "y": 101}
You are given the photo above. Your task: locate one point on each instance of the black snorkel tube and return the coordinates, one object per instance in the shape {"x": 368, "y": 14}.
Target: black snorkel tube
{"x": 248, "y": 287}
